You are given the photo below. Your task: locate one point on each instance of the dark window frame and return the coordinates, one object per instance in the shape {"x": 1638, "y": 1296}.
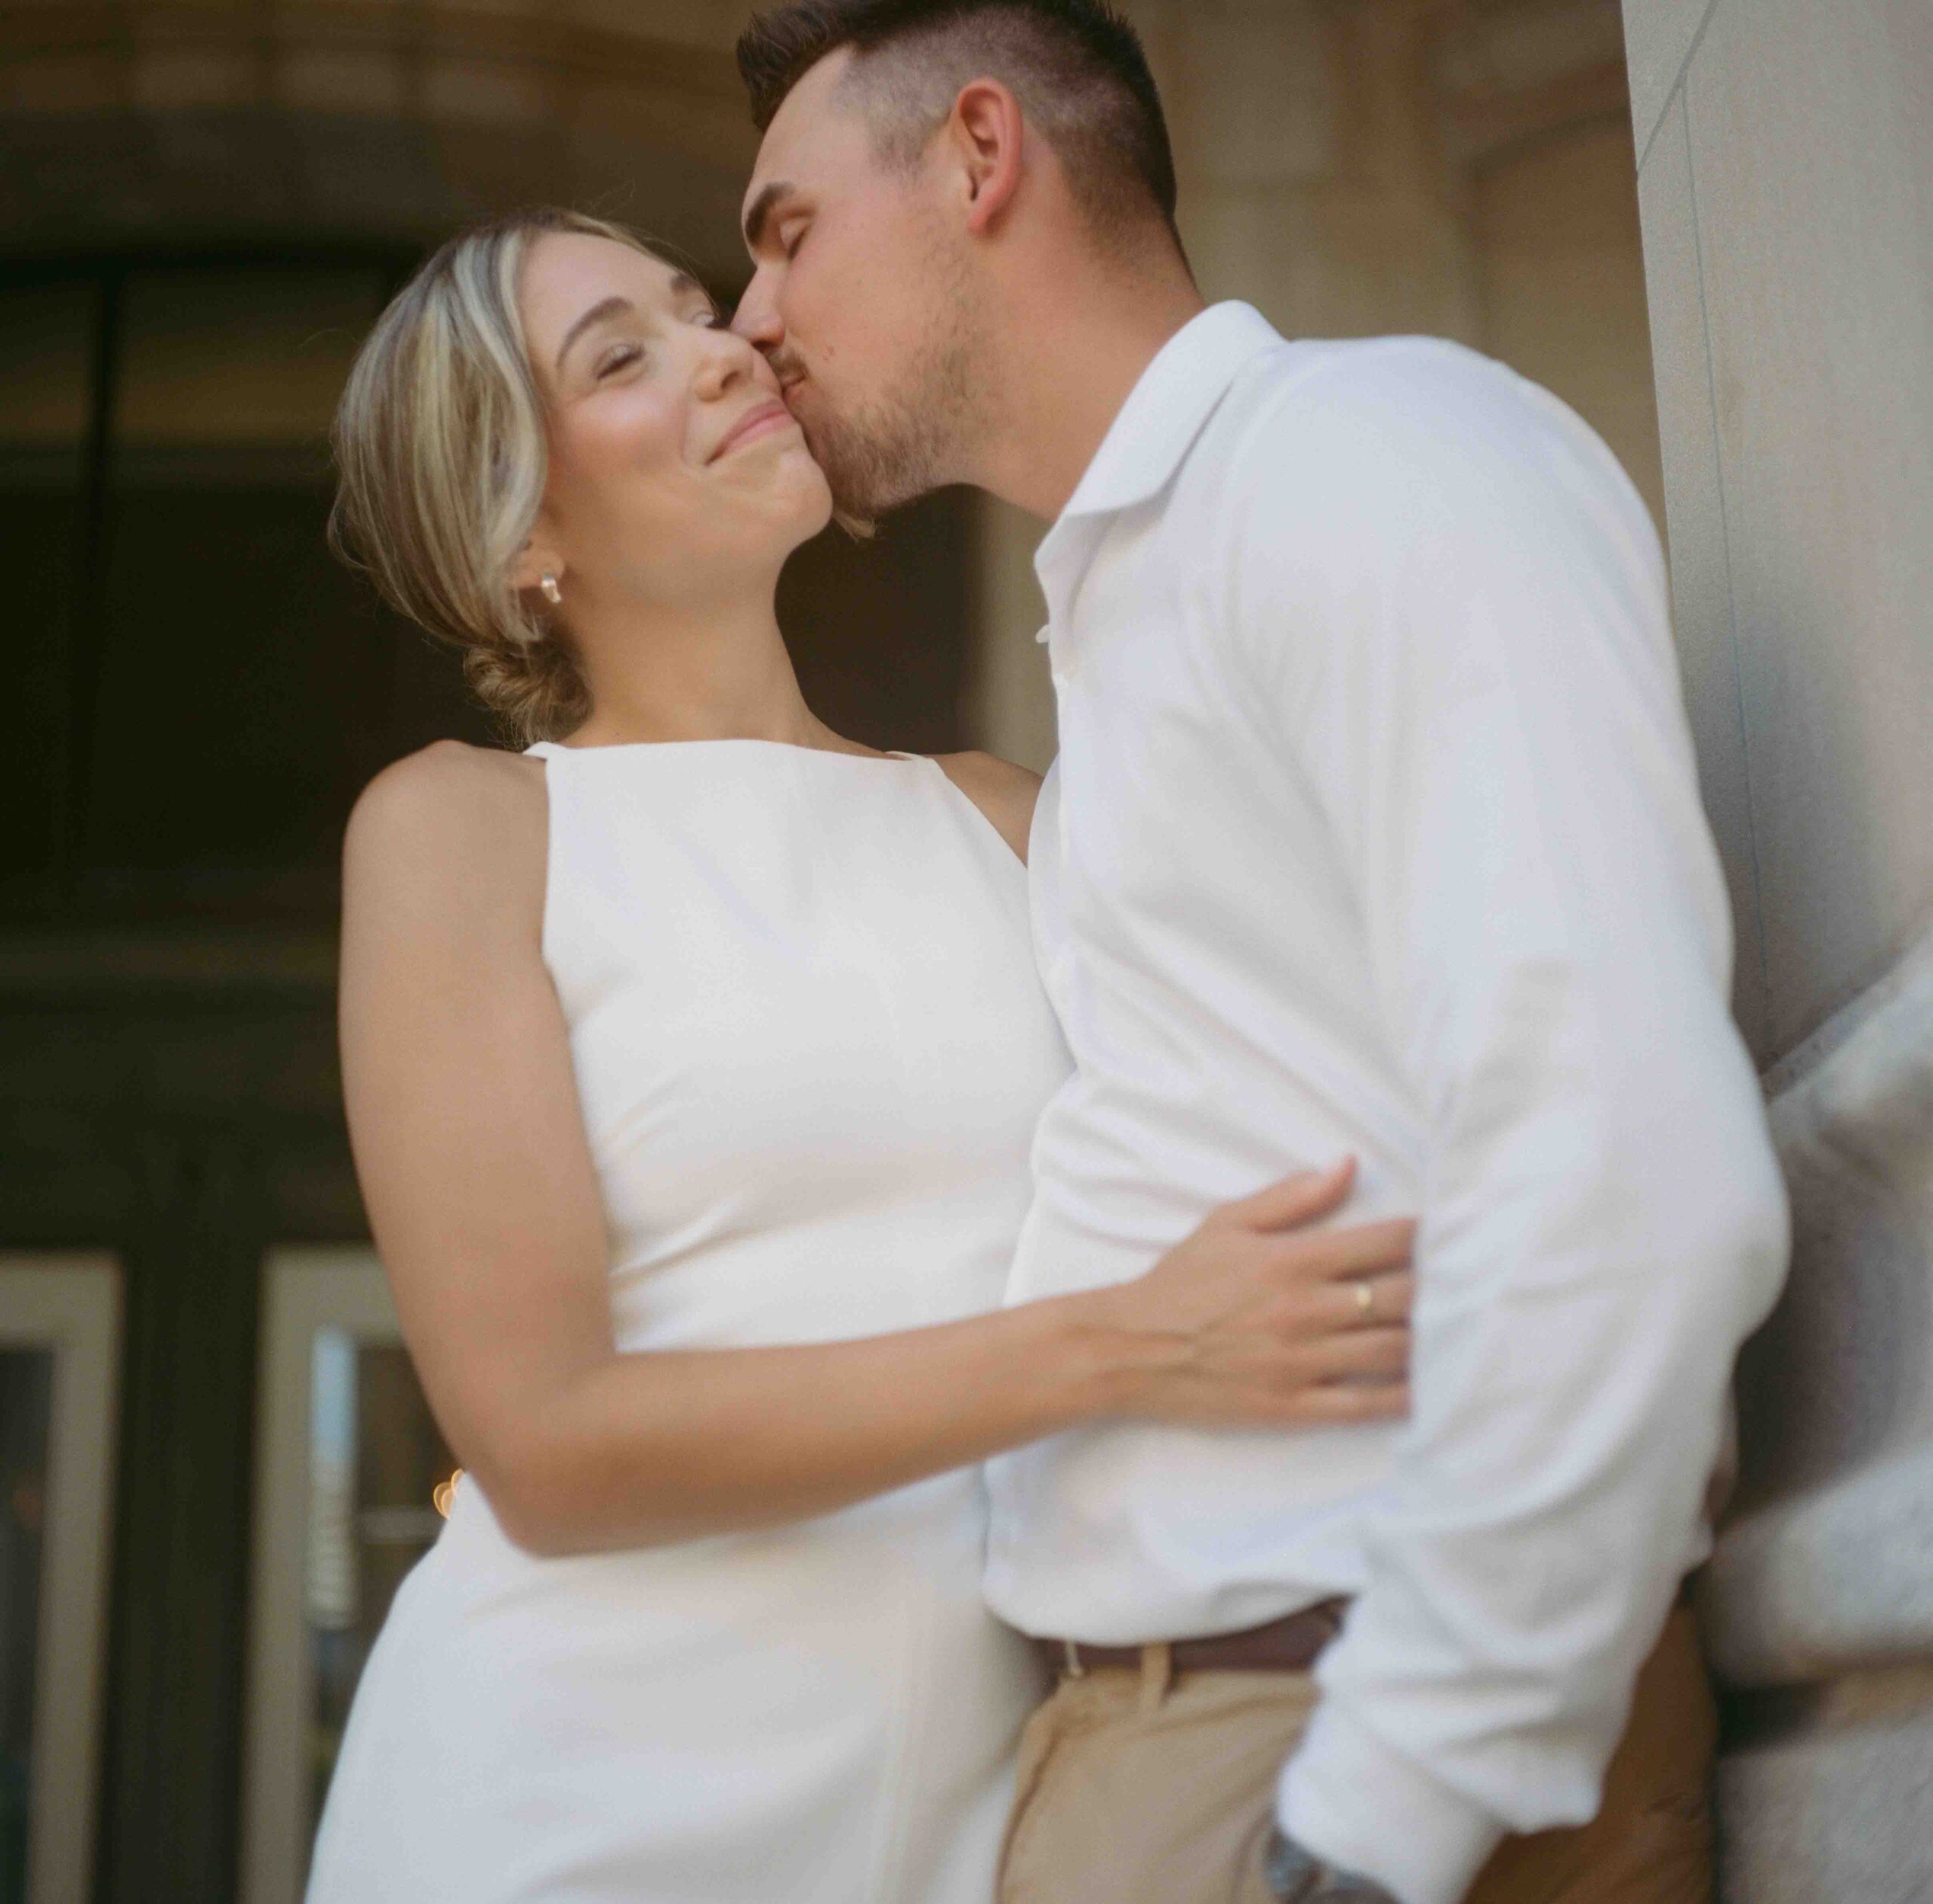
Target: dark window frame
{"x": 58, "y": 894}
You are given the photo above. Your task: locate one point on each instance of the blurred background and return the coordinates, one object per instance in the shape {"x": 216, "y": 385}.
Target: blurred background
{"x": 214, "y": 1462}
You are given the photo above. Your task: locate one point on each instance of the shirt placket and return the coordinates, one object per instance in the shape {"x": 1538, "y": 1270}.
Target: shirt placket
{"x": 1063, "y": 975}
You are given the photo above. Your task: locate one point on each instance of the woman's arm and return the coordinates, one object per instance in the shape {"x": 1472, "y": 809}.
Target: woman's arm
{"x": 471, "y": 1151}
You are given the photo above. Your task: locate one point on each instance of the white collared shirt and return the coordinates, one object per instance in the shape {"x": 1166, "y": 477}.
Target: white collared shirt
{"x": 1375, "y": 828}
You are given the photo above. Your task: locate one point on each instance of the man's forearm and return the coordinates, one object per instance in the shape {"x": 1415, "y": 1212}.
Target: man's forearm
{"x": 1543, "y": 1513}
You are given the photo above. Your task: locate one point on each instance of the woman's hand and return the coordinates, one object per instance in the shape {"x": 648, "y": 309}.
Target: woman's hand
{"x": 1257, "y": 1320}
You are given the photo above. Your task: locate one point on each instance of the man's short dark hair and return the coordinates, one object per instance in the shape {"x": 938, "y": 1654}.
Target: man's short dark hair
{"x": 1076, "y": 66}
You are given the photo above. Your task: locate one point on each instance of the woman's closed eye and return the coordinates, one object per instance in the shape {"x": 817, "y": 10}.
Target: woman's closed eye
{"x": 616, "y": 358}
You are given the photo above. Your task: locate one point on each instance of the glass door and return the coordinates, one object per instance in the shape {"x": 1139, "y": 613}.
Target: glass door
{"x": 352, "y": 1476}
{"x": 60, "y": 1327}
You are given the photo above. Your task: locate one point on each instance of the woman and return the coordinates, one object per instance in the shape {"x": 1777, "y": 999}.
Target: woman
{"x": 692, "y": 1067}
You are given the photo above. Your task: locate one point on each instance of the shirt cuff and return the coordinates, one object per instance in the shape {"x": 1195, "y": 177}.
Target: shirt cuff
{"x": 1347, "y": 1798}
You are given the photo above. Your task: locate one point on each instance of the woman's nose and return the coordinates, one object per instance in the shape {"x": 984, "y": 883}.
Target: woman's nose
{"x": 724, "y": 359}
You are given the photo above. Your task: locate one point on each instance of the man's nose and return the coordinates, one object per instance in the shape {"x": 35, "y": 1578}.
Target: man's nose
{"x": 756, "y": 318}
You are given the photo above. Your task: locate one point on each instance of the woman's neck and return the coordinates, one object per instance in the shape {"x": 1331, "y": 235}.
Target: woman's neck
{"x": 716, "y": 672}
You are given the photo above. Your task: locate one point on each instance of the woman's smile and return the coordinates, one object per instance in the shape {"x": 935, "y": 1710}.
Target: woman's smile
{"x": 761, "y": 420}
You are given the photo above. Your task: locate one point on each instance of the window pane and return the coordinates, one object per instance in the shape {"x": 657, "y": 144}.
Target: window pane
{"x": 247, "y": 683}
{"x": 239, "y": 357}
{"x": 47, "y": 340}
{"x": 27, "y": 1391}
{"x": 48, "y": 331}
{"x": 376, "y": 1463}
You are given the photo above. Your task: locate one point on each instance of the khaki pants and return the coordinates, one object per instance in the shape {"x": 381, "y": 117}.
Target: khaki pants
{"x": 1135, "y": 1788}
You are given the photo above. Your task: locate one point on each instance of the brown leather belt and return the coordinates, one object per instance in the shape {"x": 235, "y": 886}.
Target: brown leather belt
{"x": 1289, "y": 1644}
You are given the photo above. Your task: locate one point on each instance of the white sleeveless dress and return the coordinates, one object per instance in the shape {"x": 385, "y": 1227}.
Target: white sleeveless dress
{"x": 810, "y": 1049}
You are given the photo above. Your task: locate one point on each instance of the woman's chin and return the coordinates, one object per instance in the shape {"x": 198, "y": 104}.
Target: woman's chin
{"x": 795, "y": 513}
{"x": 812, "y": 497}
{"x": 764, "y": 513}
{"x": 781, "y": 468}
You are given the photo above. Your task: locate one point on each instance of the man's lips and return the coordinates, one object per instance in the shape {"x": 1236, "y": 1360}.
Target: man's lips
{"x": 759, "y": 420}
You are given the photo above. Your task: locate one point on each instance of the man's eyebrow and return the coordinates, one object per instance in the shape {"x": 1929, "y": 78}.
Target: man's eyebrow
{"x": 759, "y": 210}
{"x": 605, "y": 307}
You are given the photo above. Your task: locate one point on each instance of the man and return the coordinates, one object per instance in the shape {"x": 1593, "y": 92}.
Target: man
{"x": 1374, "y": 829}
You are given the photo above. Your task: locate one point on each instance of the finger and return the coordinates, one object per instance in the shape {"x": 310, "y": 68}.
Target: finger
{"x": 1394, "y": 1296}
{"x": 1362, "y": 1249}
{"x": 1368, "y": 1301}
{"x": 1293, "y": 1200}
{"x": 1381, "y": 1354}
{"x": 1309, "y": 1309}
{"x": 1339, "y": 1403}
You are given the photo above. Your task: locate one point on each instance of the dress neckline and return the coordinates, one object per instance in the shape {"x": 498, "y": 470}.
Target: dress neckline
{"x": 542, "y": 747}
{"x": 545, "y": 750}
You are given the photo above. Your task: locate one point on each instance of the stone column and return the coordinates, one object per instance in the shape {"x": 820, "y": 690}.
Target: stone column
{"x": 1786, "y": 179}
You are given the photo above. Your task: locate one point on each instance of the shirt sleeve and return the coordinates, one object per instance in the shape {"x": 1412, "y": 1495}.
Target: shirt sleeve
{"x": 1452, "y": 606}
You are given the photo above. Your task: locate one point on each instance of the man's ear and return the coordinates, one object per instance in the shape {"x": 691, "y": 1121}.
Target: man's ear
{"x": 988, "y": 132}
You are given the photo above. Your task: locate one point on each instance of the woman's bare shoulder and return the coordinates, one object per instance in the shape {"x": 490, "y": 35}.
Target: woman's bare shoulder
{"x": 451, "y": 819}
{"x": 1003, "y": 792}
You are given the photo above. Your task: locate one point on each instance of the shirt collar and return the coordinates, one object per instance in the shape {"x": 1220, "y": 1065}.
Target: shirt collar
{"x": 1169, "y": 402}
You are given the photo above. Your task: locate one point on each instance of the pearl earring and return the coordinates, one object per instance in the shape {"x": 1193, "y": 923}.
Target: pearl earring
{"x": 549, "y": 590}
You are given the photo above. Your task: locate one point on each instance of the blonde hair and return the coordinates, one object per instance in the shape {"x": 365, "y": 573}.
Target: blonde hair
{"x": 441, "y": 457}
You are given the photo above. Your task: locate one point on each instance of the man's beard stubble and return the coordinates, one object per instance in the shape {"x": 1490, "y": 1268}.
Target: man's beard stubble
{"x": 909, "y": 439}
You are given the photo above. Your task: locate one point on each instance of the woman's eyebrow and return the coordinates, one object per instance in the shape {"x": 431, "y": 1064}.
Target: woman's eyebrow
{"x": 605, "y": 307}
{"x": 683, "y": 285}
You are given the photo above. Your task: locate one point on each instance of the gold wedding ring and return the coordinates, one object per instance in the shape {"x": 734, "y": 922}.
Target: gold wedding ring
{"x": 1365, "y": 1300}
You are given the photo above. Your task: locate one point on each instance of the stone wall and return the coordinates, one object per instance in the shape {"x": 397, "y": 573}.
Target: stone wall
{"x": 160, "y": 123}
{"x": 1786, "y": 183}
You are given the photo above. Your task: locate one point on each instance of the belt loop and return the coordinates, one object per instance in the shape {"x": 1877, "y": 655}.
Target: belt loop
{"x": 1072, "y": 1661}
{"x": 1157, "y": 1676}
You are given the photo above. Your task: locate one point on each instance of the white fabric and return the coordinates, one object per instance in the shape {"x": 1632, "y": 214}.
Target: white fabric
{"x": 810, "y": 1050}
{"x": 1375, "y": 828}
